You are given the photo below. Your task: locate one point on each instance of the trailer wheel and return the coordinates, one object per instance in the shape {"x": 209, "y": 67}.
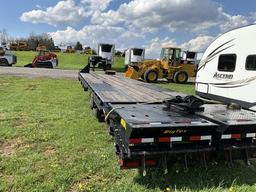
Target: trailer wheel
{"x": 108, "y": 67}
{"x": 181, "y": 77}
{"x": 150, "y": 76}
{"x": 98, "y": 114}
{"x": 4, "y": 62}
{"x": 92, "y": 103}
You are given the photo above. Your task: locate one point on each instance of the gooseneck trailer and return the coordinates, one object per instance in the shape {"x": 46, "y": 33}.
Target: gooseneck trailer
{"x": 152, "y": 126}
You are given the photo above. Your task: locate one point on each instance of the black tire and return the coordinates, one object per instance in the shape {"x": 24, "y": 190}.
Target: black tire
{"x": 4, "y": 62}
{"x": 92, "y": 103}
{"x": 28, "y": 65}
{"x": 181, "y": 77}
{"x": 108, "y": 67}
{"x": 98, "y": 114}
{"x": 151, "y": 76}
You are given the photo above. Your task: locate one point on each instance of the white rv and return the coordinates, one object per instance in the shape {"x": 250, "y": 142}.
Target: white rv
{"x": 107, "y": 51}
{"x": 133, "y": 56}
{"x": 227, "y": 71}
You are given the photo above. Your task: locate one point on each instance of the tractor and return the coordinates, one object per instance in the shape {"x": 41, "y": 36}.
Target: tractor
{"x": 44, "y": 59}
{"x": 171, "y": 66}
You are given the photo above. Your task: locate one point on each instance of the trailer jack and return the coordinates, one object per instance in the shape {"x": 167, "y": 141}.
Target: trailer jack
{"x": 143, "y": 164}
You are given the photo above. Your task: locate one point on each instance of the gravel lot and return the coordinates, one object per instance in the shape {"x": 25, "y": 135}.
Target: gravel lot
{"x": 39, "y": 72}
{"x": 50, "y": 73}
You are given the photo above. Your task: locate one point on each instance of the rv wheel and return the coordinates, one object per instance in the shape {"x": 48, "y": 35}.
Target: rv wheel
{"x": 150, "y": 76}
{"x": 181, "y": 77}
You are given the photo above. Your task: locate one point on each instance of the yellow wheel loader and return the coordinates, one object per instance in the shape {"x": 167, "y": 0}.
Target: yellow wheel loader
{"x": 171, "y": 66}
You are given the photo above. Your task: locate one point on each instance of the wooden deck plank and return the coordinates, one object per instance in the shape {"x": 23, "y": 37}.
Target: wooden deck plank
{"x": 118, "y": 89}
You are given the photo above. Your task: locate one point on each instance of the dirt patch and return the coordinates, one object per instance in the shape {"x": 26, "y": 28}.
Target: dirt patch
{"x": 2, "y": 116}
{"x": 31, "y": 87}
{"x": 4, "y": 83}
{"x": 49, "y": 151}
{"x": 20, "y": 122}
{"x": 11, "y": 146}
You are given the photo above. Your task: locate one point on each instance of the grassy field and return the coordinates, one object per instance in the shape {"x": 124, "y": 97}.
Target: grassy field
{"x": 66, "y": 60}
{"x": 50, "y": 141}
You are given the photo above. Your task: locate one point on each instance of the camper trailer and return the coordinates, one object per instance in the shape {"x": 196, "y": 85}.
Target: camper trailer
{"x": 227, "y": 71}
{"x": 133, "y": 56}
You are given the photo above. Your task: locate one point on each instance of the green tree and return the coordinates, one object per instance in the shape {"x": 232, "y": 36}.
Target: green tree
{"x": 78, "y": 46}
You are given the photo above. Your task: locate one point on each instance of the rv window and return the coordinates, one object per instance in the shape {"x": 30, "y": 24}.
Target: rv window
{"x": 227, "y": 63}
{"x": 106, "y": 48}
{"x": 251, "y": 63}
{"x": 137, "y": 52}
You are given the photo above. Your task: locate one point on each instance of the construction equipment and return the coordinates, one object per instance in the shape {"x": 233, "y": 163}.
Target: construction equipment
{"x": 153, "y": 127}
{"x": 133, "y": 57}
{"x": 7, "y": 58}
{"x": 106, "y": 52}
{"x": 70, "y": 49}
{"x": 56, "y": 49}
{"x": 41, "y": 47}
{"x": 44, "y": 59}
{"x": 19, "y": 46}
{"x": 89, "y": 51}
{"x": 170, "y": 66}
{"x": 103, "y": 60}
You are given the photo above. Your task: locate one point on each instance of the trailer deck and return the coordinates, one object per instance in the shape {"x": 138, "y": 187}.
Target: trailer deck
{"x": 118, "y": 89}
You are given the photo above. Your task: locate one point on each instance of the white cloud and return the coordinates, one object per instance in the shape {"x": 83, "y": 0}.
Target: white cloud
{"x": 191, "y": 15}
{"x": 95, "y": 5}
{"x": 153, "y": 48}
{"x": 94, "y": 34}
{"x": 65, "y": 12}
{"x": 198, "y": 44}
{"x": 234, "y": 22}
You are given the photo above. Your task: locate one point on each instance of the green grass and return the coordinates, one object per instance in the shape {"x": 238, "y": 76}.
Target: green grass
{"x": 66, "y": 60}
{"x": 184, "y": 88}
{"x": 52, "y": 142}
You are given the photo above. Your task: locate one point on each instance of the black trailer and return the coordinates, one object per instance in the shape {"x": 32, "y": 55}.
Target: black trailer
{"x": 152, "y": 126}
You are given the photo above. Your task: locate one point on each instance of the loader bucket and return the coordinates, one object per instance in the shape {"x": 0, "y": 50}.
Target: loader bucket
{"x": 132, "y": 73}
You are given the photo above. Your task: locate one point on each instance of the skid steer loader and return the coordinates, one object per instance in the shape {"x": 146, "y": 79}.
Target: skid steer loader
{"x": 171, "y": 66}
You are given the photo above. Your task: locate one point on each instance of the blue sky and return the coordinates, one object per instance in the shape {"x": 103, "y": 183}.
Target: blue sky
{"x": 190, "y": 24}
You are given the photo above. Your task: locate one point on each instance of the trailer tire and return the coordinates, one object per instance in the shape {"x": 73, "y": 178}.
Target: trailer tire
{"x": 92, "y": 103}
{"x": 181, "y": 77}
{"x": 4, "y": 62}
{"x": 98, "y": 114}
{"x": 108, "y": 67}
{"x": 150, "y": 76}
